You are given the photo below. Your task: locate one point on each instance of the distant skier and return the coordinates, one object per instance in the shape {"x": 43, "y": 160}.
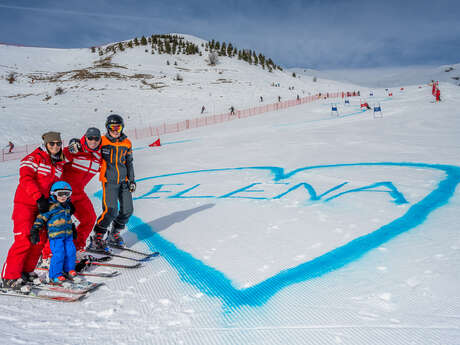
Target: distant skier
{"x": 117, "y": 177}
{"x": 365, "y": 104}
{"x": 279, "y": 98}
{"x": 61, "y": 233}
{"x": 261, "y": 99}
{"x": 438, "y": 95}
{"x": 232, "y": 110}
{"x": 202, "y": 109}
{"x": 9, "y": 147}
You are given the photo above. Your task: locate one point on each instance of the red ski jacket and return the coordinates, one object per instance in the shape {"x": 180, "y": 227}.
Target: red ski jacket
{"x": 81, "y": 167}
{"x": 36, "y": 175}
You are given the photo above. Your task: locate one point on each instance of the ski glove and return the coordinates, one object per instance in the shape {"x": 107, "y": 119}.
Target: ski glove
{"x": 74, "y": 231}
{"x": 74, "y": 145}
{"x": 132, "y": 186}
{"x": 34, "y": 235}
{"x": 43, "y": 205}
{"x": 72, "y": 208}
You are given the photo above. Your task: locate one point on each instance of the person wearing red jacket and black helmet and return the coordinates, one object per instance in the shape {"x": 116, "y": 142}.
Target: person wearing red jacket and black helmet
{"x": 37, "y": 172}
{"x": 83, "y": 161}
{"x": 117, "y": 177}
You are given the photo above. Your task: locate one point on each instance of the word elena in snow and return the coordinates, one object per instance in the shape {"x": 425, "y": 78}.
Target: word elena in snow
{"x": 180, "y": 186}
{"x": 269, "y": 191}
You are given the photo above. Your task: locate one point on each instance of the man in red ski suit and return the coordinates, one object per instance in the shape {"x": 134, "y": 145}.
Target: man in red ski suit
{"x": 83, "y": 160}
{"x": 37, "y": 172}
{"x": 438, "y": 95}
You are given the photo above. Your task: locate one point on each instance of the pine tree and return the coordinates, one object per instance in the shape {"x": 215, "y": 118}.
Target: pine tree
{"x": 262, "y": 59}
{"x": 229, "y": 50}
{"x": 143, "y": 41}
{"x": 223, "y": 50}
{"x": 167, "y": 47}
{"x": 136, "y": 41}
{"x": 270, "y": 63}
{"x": 120, "y": 46}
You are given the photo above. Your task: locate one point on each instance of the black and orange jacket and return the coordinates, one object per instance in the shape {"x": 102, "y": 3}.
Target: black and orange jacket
{"x": 117, "y": 159}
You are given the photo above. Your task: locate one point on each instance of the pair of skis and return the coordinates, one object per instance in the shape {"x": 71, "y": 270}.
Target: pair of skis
{"x": 36, "y": 292}
{"x": 68, "y": 291}
{"x": 144, "y": 256}
{"x": 75, "y": 291}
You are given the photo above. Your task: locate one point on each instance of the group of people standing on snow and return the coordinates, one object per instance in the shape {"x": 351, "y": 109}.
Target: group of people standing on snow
{"x": 51, "y": 187}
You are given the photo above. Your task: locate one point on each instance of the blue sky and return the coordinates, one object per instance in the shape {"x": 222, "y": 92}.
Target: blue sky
{"x": 324, "y": 34}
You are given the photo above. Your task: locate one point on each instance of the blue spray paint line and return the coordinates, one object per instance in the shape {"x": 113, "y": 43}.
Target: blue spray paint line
{"x": 178, "y": 142}
{"x": 166, "y": 143}
{"x": 214, "y": 283}
{"x": 320, "y": 120}
{"x": 335, "y": 117}
{"x": 6, "y": 176}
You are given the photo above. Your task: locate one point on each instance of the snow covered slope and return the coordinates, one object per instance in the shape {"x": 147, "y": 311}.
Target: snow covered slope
{"x": 132, "y": 82}
{"x": 293, "y": 227}
{"x": 386, "y": 77}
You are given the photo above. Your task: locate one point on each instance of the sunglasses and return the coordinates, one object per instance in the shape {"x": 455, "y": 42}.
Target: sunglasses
{"x": 57, "y": 143}
{"x": 93, "y": 138}
{"x": 116, "y": 128}
{"x": 62, "y": 193}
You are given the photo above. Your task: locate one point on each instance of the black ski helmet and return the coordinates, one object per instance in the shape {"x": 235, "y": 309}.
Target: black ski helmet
{"x": 114, "y": 119}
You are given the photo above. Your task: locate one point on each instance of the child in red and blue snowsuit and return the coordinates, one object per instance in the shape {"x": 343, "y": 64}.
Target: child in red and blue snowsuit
{"x": 61, "y": 232}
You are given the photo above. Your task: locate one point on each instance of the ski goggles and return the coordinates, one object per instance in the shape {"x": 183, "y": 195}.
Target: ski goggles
{"x": 53, "y": 143}
{"x": 61, "y": 193}
{"x": 93, "y": 138}
{"x": 115, "y": 128}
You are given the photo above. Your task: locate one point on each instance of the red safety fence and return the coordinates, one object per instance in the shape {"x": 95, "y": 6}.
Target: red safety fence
{"x": 138, "y": 133}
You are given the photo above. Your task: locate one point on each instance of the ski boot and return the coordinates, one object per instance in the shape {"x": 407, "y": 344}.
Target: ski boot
{"x": 114, "y": 237}
{"x": 31, "y": 277}
{"x": 97, "y": 242}
{"x": 15, "y": 285}
{"x": 58, "y": 280}
{"x": 72, "y": 275}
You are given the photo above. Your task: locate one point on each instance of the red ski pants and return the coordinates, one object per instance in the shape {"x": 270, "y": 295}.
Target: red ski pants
{"x": 23, "y": 255}
{"x": 84, "y": 213}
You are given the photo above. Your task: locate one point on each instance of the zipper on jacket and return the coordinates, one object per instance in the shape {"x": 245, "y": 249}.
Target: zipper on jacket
{"x": 116, "y": 165}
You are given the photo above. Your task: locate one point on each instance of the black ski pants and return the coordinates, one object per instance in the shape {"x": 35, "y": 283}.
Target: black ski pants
{"x": 112, "y": 195}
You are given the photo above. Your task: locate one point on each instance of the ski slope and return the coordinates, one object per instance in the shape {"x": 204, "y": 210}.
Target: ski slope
{"x": 292, "y": 227}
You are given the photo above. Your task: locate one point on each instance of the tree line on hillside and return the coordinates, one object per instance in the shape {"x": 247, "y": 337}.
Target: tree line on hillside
{"x": 248, "y": 55}
{"x": 174, "y": 45}
{"x": 159, "y": 44}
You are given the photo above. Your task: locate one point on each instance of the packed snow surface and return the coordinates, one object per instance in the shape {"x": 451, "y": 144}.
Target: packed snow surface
{"x": 291, "y": 227}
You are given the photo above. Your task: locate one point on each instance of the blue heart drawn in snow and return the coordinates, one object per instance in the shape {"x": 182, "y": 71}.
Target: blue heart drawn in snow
{"x": 214, "y": 283}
